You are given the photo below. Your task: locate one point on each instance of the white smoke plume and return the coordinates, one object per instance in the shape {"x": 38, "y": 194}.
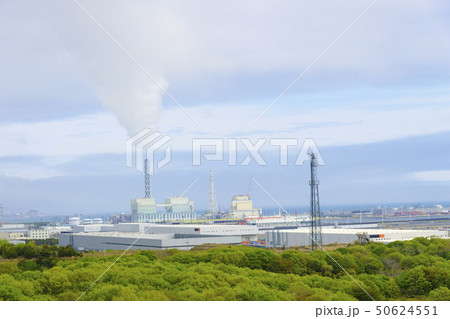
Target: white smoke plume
{"x": 200, "y": 45}
{"x": 136, "y": 105}
{"x": 103, "y": 44}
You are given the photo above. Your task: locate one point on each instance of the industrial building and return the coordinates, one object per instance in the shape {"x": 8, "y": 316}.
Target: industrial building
{"x": 148, "y": 236}
{"x": 175, "y": 209}
{"x": 91, "y": 228}
{"x": 143, "y": 209}
{"x": 89, "y": 221}
{"x": 13, "y": 234}
{"x": 179, "y": 209}
{"x": 242, "y": 207}
{"x": 19, "y": 232}
{"x": 38, "y": 234}
{"x": 302, "y": 236}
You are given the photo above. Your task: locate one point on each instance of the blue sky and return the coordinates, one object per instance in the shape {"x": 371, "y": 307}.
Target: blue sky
{"x": 377, "y": 104}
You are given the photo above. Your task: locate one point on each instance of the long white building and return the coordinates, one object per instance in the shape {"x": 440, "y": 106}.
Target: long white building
{"x": 155, "y": 236}
{"x": 301, "y": 236}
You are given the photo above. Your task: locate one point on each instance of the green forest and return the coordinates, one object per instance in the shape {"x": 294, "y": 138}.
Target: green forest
{"x": 403, "y": 270}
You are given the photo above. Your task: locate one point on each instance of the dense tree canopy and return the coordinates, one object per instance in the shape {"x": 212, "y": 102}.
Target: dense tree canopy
{"x": 416, "y": 269}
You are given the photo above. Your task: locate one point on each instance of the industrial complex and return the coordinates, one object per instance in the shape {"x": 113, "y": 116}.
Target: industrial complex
{"x": 175, "y": 224}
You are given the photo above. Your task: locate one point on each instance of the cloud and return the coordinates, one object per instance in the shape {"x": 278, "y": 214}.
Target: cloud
{"x": 329, "y": 126}
{"x": 64, "y": 139}
{"x": 204, "y": 50}
{"x": 30, "y": 172}
{"x": 431, "y": 176}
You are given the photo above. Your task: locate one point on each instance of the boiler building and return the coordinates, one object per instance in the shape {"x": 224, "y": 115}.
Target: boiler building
{"x": 242, "y": 207}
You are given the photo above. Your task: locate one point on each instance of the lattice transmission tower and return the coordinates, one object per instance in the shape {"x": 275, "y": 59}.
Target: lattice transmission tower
{"x": 316, "y": 228}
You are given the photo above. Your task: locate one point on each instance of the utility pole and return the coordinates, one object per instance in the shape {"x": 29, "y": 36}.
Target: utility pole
{"x": 316, "y": 228}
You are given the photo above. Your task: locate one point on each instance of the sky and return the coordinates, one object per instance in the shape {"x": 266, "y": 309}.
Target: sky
{"x": 81, "y": 77}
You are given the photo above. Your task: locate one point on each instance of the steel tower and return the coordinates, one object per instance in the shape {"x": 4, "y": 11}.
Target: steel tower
{"x": 212, "y": 195}
{"x": 316, "y": 228}
{"x": 148, "y": 185}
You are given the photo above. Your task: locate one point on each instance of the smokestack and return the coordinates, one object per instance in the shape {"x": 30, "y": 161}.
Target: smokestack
{"x": 148, "y": 186}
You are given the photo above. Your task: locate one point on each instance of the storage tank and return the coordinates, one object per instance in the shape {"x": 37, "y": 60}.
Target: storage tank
{"x": 73, "y": 221}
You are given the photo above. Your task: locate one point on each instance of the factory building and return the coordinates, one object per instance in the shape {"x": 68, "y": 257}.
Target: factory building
{"x": 13, "y": 235}
{"x": 301, "y": 236}
{"x": 13, "y": 232}
{"x": 145, "y": 210}
{"x": 147, "y": 236}
{"x": 21, "y": 234}
{"x": 90, "y": 221}
{"x": 38, "y": 234}
{"x": 242, "y": 207}
{"x": 55, "y": 230}
{"x": 91, "y": 228}
{"x": 179, "y": 209}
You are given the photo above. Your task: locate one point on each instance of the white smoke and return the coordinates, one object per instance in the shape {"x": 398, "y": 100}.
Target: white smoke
{"x": 119, "y": 80}
{"x": 193, "y": 43}
{"x": 137, "y": 106}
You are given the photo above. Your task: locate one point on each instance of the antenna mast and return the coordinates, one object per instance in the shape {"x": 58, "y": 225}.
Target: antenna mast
{"x": 316, "y": 228}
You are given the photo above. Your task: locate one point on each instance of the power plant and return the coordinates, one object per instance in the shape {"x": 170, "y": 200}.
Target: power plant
{"x": 175, "y": 224}
{"x": 145, "y": 210}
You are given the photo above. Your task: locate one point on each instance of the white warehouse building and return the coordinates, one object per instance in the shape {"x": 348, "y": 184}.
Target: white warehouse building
{"x": 148, "y": 236}
{"x": 302, "y": 236}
